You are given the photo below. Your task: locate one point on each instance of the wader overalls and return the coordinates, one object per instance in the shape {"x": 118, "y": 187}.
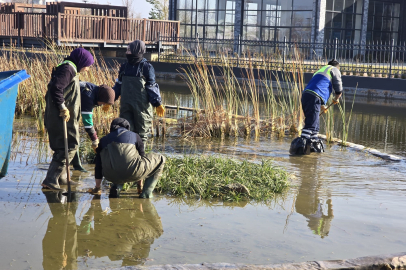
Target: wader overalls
{"x": 54, "y": 125}
{"x": 135, "y": 106}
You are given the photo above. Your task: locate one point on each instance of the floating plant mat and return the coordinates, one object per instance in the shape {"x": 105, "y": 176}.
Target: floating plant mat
{"x": 222, "y": 178}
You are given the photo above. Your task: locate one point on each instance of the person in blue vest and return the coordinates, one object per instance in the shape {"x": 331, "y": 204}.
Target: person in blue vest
{"x": 92, "y": 96}
{"x": 325, "y": 82}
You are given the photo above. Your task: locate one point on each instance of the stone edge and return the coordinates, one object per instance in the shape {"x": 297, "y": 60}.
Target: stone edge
{"x": 384, "y": 262}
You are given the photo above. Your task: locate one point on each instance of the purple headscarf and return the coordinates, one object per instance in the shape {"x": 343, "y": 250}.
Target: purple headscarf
{"x": 82, "y": 58}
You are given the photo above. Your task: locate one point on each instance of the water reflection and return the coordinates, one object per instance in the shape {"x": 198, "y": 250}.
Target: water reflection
{"x": 60, "y": 245}
{"x": 124, "y": 231}
{"x": 312, "y": 200}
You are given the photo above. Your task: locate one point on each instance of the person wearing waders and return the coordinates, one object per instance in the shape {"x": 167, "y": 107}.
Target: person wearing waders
{"x": 121, "y": 158}
{"x": 63, "y": 104}
{"x": 314, "y": 100}
{"x": 139, "y": 92}
{"x": 91, "y": 97}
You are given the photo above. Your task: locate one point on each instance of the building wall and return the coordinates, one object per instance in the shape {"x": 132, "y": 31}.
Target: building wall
{"x": 351, "y": 21}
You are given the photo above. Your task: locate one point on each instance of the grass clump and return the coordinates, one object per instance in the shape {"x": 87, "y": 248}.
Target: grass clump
{"x": 222, "y": 178}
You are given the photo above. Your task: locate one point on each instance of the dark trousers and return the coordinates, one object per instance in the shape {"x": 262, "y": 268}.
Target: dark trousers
{"x": 311, "y": 108}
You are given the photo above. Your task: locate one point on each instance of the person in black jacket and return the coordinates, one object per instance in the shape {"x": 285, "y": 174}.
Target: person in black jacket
{"x": 139, "y": 91}
{"x": 121, "y": 158}
{"x": 92, "y": 96}
{"x": 63, "y": 104}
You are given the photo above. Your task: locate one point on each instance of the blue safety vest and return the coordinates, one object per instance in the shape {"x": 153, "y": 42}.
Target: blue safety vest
{"x": 321, "y": 84}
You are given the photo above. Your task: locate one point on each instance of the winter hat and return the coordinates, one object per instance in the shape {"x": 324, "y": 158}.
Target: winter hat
{"x": 118, "y": 123}
{"x": 136, "y": 47}
{"x": 82, "y": 58}
{"x": 106, "y": 94}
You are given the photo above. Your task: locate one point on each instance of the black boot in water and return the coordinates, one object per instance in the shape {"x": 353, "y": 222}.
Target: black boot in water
{"x": 54, "y": 172}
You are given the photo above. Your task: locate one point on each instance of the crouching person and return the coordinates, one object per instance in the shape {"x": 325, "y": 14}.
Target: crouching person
{"x": 120, "y": 158}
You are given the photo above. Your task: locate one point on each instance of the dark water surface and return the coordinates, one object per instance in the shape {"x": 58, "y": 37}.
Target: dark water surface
{"x": 342, "y": 204}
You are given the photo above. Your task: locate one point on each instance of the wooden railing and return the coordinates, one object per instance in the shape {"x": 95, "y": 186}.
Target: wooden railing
{"x": 83, "y": 29}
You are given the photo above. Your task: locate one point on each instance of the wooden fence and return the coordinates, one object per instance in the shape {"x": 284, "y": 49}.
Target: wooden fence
{"x": 69, "y": 28}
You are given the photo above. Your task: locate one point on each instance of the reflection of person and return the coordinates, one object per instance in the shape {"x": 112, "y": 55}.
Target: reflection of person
{"x": 315, "y": 96}
{"x": 63, "y": 104}
{"x": 122, "y": 234}
{"x": 121, "y": 158}
{"x": 92, "y": 96}
{"x": 59, "y": 245}
{"x": 308, "y": 201}
{"x": 138, "y": 89}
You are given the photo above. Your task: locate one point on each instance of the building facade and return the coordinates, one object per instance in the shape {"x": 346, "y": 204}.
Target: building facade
{"x": 319, "y": 21}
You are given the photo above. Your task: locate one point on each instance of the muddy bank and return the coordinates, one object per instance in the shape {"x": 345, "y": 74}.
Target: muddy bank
{"x": 385, "y": 262}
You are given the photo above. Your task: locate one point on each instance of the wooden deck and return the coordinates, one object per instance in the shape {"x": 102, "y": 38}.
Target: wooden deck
{"x": 85, "y": 30}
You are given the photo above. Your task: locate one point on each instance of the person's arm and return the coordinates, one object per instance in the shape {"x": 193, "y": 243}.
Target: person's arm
{"x": 61, "y": 78}
{"x": 119, "y": 81}
{"x": 337, "y": 82}
{"x": 154, "y": 95}
{"x": 139, "y": 145}
{"x": 87, "y": 103}
{"x": 98, "y": 170}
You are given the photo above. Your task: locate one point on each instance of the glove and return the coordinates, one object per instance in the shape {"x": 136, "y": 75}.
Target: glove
{"x": 106, "y": 107}
{"x": 94, "y": 191}
{"x": 324, "y": 109}
{"x": 335, "y": 101}
{"x": 64, "y": 113}
{"x": 95, "y": 144}
{"x": 160, "y": 111}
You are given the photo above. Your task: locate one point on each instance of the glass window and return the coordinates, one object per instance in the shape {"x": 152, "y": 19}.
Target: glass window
{"x": 303, "y": 5}
{"x": 285, "y": 4}
{"x": 229, "y": 32}
{"x": 268, "y": 34}
{"x": 329, "y": 5}
{"x": 182, "y": 4}
{"x": 281, "y": 33}
{"x": 211, "y": 4}
{"x": 211, "y": 17}
{"x": 338, "y": 5}
{"x": 337, "y": 20}
{"x": 302, "y": 18}
{"x": 210, "y": 32}
{"x": 286, "y": 18}
{"x": 301, "y": 34}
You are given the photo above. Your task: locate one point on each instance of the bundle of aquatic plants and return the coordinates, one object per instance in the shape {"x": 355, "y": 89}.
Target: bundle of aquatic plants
{"x": 222, "y": 178}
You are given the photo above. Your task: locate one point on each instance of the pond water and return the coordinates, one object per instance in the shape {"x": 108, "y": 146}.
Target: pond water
{"x": 342, "y": 204}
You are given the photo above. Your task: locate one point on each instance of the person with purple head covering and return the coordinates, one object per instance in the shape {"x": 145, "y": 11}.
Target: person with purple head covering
{"x": 63, "y": 104}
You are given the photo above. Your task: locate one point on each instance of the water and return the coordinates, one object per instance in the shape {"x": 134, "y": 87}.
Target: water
{"x": 342, "y": 204}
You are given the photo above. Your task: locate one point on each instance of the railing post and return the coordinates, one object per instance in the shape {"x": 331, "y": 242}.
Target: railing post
{"x": 144, "y": 30}
{"x": 197, "y": 45}
{"x": 238, "y": 50}
{"x": 335, "y": 48}
{"x": 392, "y": 45}
{"x": 105, "y": 19}
{"x": 59, "y": 29}
{"x": 284, "y": 51}
{"x": 159, "y": 46}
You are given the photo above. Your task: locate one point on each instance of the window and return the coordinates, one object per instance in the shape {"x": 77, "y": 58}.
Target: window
{"x": 277, "y": 19}
{"x": 383, "y": 21}
{"x": 343, "y": 20}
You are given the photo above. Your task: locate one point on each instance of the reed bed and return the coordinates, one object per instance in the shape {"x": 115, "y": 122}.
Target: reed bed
{"x": 258, "y": 103}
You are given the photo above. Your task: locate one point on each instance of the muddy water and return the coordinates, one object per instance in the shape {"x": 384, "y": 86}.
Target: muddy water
{"x": 342, "y": 204}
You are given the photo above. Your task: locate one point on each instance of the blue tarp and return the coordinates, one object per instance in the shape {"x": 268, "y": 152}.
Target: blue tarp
{"x": 9, "y": 81}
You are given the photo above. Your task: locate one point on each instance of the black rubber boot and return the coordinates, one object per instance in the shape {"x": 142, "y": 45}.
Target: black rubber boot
{"x": 115, "y": 190}
{"x": 54, "y": 172}
{"x": 77, "y": 165}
